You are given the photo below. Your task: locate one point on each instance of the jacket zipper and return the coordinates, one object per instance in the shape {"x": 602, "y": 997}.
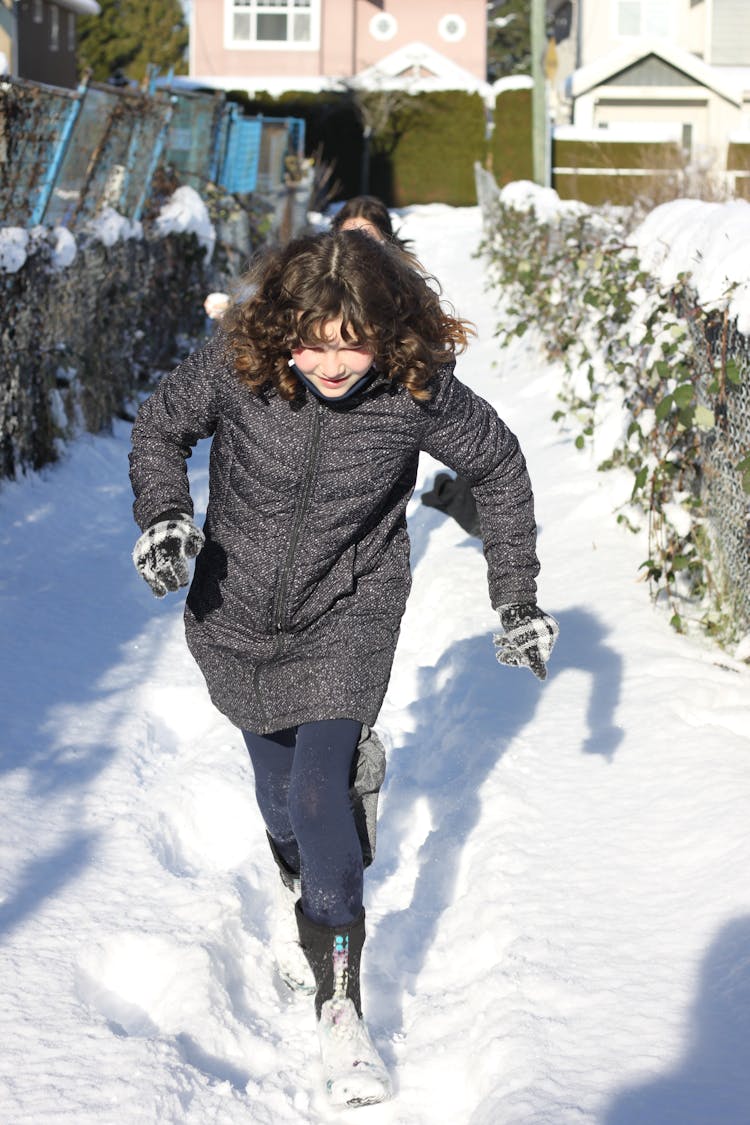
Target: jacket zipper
{"x": 301, "y": 511}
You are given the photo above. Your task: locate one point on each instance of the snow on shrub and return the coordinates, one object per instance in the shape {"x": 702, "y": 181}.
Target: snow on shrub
{"x": 638, "y": 322}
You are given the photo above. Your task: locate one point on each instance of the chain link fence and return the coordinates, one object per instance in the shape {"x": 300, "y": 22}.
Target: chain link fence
{"x": 723, "y": 447}
{"x": 720, "y": 357}
{"x": 65, "y": 155}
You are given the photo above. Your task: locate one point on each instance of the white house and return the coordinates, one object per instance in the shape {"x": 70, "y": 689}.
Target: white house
{"x": 677, "y": 67}
{"x": 279, "y": 45}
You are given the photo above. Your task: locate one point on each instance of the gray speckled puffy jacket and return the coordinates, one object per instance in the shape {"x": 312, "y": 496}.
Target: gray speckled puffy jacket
{"x": 295, "y": 606}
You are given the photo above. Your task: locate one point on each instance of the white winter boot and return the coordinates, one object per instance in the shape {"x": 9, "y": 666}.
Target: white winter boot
{"x": 354, "y": 1071}
{"x": 294, "y": 968}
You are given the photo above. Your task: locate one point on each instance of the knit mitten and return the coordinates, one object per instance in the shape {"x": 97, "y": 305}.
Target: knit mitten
{"x": 527, "y": 638}
{"x": 162, "y": 553}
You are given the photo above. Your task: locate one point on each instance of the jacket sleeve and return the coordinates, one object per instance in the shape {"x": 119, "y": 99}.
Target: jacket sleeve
{"x": 182, "y": 409}
{"x": 464, "y": 432}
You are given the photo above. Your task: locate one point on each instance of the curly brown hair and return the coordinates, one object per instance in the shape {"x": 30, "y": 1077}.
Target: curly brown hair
{"x": 385, "y": 306}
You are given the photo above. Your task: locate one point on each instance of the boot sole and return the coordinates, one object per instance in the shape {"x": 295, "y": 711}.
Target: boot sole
{"x": 379, "y": 1092}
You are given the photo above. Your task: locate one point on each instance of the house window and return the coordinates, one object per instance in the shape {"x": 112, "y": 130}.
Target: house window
{"x": 383, "y": 26}
{"x": 452, "y": 28}
{"x": 645, "y": 17}
{"x": 54, "y": 27}
{"x": 37, "y": 11}
{"x": 273, "y": 23}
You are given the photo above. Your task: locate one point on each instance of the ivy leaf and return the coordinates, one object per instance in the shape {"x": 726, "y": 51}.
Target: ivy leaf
{"x": 679, "y": 562}
{"x": 686, "y": 416}
{"x": 704, "y": 418}
{"x": 734, "y": 375}
{"x": 683, "y": 395}
{"x": 652, "y": 570}
{"x": 640, "y": 480}
{"x": 664, "y": 408}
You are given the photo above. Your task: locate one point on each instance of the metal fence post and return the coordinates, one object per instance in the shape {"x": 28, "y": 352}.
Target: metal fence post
{"x": 48, "y": 183}
{"x": 152, "y": 165}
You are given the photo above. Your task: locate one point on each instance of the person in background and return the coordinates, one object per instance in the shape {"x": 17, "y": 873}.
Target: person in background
{"x": 319, "y": 390}
{"x": 451, "y": 495}
{"x": 369, "y": 214}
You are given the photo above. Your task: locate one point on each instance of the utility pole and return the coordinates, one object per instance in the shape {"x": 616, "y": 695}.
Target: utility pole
{"x": 539, "y": 94}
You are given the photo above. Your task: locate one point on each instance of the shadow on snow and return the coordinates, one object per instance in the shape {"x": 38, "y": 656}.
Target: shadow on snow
{"x": 711, "y": 1084}
{"x": 467, "y": 713}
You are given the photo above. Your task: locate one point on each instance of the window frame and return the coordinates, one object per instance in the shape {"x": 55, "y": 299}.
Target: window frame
{"x": 442, "y": 27}
{"x": 643, "y": 6}
{"x": 391, "y": 28}
{"x": 54, "y": 28}
{"x": 232, "y": 44}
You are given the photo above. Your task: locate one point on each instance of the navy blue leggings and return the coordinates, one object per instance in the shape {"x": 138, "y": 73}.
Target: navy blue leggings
{"x": 302, "y": 788}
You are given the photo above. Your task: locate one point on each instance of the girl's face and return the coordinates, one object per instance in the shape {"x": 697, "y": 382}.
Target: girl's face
{"x": 335, "y": 366}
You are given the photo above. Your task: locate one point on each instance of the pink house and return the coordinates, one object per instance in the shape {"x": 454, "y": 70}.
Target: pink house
{"x": 277, "y": 45}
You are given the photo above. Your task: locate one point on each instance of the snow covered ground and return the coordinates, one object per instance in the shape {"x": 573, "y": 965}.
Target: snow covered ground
{"x": 559, "y": 912}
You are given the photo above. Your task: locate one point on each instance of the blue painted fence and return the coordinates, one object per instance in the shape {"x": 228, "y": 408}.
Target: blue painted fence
{"x": 66, "y": 154}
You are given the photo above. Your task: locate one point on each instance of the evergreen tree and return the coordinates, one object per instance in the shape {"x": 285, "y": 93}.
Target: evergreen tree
{"x": 508, "y": 38}
{"x": 129, "y": 34}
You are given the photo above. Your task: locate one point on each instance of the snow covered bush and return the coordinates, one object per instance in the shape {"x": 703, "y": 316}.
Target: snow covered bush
{"x": 654, "y": 378}
{"x": 89, "y": 324}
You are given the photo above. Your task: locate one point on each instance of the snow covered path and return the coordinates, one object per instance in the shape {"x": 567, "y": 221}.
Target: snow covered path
{"x": 559, "y": 912}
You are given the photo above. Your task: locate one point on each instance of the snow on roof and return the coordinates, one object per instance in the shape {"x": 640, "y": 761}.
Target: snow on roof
{"x": 643, "y": 132}
{"x": 513, "y": 82}
{"x": 598, "y": 73}
{"x": 81, "y": 7}
{"x": 432, "y": 71}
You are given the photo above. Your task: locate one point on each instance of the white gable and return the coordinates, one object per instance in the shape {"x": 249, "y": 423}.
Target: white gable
{"x": 601, "y": 70}
{"x": 417, "y": 67}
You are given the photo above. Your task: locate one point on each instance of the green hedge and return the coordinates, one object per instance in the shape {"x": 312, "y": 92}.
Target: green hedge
{"x": 621, "y": 191}
{"x": 429, "y": 153}
{"x": 616, "y": 154}
{"x": 510, "y": 147}
{"x": 738, "y": 157}
{"x": 738, "y": 160}
{"x": 425, "y": 154}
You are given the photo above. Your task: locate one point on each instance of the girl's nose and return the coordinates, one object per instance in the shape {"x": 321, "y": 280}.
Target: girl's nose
{"x": 331, "y": 364}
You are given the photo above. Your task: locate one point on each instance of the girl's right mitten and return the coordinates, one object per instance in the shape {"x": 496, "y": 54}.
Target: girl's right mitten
{"x": 162, "y": 553}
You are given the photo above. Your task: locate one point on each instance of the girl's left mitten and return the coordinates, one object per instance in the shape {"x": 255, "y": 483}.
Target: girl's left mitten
{"x": 163, "y": 552}
{"x": 527, "y": 638}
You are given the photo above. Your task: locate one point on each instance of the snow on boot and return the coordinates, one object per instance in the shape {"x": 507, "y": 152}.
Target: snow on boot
{"x": 354, "y": 1072}
{"x": 293, "y": 967}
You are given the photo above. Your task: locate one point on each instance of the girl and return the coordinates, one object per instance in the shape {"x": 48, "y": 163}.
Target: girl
{"x": 319, "y": 392}
{"x": 369, "y": 214}
{"x": 448, "y": 494}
